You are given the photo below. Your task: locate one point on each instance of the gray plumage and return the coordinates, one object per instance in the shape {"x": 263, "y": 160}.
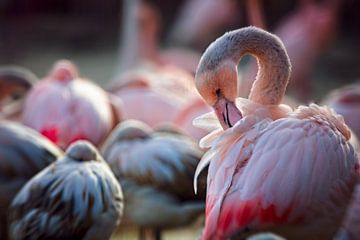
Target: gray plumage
{"x": 156, "y": 170}
{"x": 77, "y": 197}
{"x": 23, "y": 153}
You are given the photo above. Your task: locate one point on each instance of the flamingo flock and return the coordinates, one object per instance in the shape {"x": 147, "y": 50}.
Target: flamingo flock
{"x": 159, "y": 147}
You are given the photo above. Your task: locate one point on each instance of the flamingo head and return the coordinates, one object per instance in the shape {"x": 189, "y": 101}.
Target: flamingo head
{"x": 218, "y": 87}
{"x": 131, "y": 129}
{"x": 63, "y": 71}
{"x": 83, "y": 150}
{"x": 128, "y": 130}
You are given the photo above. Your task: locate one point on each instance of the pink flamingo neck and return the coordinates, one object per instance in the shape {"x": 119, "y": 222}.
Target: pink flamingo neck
{"x": 273, "y": 61}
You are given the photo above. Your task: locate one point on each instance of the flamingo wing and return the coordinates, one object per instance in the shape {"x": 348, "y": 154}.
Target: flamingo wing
{"x": 65, "y": 200}
{"x": 166, "y": 161}
{"x": 295, "y": 169}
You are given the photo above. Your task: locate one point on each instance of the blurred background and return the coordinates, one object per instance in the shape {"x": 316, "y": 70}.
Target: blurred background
{"x": 36, "y": 33}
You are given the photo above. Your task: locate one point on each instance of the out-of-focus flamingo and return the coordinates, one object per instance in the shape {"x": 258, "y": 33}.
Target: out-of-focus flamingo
{"x": 346, "y": 101}
{"x": 153, "y": 91}
{"x": 271, "y": 168}
{"x": 76, "y": 197}
{"x": 306, "y": 33}
{"x": 15, "y": 83}
{"x": 140, "y": 40}
{"x": 151, "y": 96}
{"x": 156, "y": 170}
{"x": 200, "y": 20}
{"x": 185, "y": 116}
{"x": 66, "y": 108}
{"x": 23, "y": 153}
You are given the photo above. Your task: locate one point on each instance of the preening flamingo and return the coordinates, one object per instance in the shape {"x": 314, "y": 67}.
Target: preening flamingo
{"x": 66, "y": 108}
{"x": 23, "y": 153}
{"x": 15, "y": 83}
{"x": 76, "y": 197}
{"x": 271, "y": 168}
{"x": 156, "y": 169}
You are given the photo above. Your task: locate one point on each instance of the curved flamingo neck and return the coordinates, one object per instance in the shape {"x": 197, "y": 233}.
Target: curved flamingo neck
{"x": 273, "y": 61}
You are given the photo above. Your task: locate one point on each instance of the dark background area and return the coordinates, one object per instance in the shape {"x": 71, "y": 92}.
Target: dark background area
{"x": 35, "y": 33}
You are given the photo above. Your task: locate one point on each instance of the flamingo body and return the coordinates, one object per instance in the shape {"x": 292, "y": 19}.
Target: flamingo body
{"x": 271, "y": 168}
{"x": 77, "y": 197}
{"x": 185, "y": 116}
{"x": 270, "y": 184}
{"x": 23, "y": 153}
{"x": 66, "y": 108}
{"x": 155, "y": 169}
{"x": 154, "y": 95}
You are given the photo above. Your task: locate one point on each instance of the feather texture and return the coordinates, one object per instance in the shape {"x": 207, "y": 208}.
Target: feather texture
{"x": 265, "y": 173}
{"x": 157, "y": 169}
{"x": 68, "y": 199}
{"x": 23, "y": 153}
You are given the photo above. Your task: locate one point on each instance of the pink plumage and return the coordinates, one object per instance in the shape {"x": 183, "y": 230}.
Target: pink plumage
{"x": 271, "y": 168}
{"x": 158, "y": 95}
{"x": 184, "y": 118}
{"x": 66, "y": 108}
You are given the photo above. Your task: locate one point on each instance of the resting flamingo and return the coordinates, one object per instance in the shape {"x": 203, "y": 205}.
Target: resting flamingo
{"x": 76, "y": 197}
{"x": 156, "y": 169}
{"x": 66, "y": 108}
{"x": 271, "y": 168}
{"x": 23, "y": 153}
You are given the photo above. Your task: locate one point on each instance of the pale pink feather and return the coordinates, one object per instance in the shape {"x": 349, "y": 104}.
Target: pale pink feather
{"x": 67, "y": 108}
{"x": 293, "y": 171}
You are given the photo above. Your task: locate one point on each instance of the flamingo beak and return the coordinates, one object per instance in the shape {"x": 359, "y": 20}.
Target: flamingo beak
{"x": 227, "y": 113}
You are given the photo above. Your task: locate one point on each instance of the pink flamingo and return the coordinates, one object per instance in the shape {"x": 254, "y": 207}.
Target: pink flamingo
{"x": 148, "y": 96}
{"x": 65, "y": 108}
{"x": 271, "y": 168}
{"x": 153, "y": 91}
{"x": 76, "y": 197}
{"x": 156, "y": 98}
{"x": 184, "y": 118}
